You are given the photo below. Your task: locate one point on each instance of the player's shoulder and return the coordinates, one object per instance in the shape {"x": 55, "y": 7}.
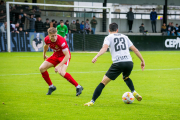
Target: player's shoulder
{"x": 124, "y": 35}
{"x": 46, "y": 38}
{"x": 60, "y": 38}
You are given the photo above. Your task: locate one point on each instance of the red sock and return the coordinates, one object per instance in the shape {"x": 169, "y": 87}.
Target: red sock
{"x": 45, "y": 75}
{"x": 70, "y": 79}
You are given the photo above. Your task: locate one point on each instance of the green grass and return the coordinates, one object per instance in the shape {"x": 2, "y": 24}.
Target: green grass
{"x": 23, "y": 90}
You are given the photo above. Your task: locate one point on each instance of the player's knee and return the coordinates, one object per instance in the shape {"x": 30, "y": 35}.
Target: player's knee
{"x": 42, "y": 69}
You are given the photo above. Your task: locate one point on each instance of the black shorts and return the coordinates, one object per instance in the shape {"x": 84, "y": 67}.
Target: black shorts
{"x": 117, "y": 68}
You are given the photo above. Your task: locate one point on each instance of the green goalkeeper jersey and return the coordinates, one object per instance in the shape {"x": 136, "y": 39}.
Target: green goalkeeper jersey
{"x": 62, "y": 30}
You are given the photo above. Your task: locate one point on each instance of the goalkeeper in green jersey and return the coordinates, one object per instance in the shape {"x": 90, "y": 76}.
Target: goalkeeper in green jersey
{"x": 62, "y": 29}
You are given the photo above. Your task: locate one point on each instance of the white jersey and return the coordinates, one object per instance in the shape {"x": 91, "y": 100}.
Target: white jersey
{"x": 119, "y": 45}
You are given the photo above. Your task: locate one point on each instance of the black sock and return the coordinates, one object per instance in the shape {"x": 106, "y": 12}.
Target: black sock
{"x": 98, "y": 91}
{"x": 129, "y": 83}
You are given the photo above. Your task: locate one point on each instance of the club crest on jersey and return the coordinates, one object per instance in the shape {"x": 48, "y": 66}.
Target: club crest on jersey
{"x": 56, "y": 47}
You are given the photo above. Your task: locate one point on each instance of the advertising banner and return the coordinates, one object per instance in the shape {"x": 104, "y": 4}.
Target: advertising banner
{"x": 31, "y": 42}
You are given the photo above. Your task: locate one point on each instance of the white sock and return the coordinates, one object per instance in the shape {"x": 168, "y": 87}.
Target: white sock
{"x": 51, "y": 86}
{"x": 78, "y": 86}
{"x": 133, "y": 91}
{"x": 92, "y": 101}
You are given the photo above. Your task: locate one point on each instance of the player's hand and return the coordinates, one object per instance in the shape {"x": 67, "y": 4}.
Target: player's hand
{"x": 142, "y": 65}
{"x": 94, "y": 59}
{"x": 56, "y": 69}
{"x": 45, "y": 57}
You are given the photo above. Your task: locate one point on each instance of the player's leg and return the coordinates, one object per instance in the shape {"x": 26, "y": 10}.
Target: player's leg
{"x": 127, "y": 71}
{"x": 50, "y": 62}
{"x": 98, "y": 90}
{"x": 113, "y": 72}
{"x": 68, "y": 77}
{"x": 43, "y": 69}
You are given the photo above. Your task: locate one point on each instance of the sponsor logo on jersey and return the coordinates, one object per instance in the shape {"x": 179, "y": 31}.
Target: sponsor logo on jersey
{"x": 125, "y": 57}
{"x": 172, "y": 43}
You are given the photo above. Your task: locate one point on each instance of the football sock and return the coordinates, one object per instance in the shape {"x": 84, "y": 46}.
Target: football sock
{"x": 51, "y": 86}
{"x": 45, "y": 75}
{"x": 70, "y": 79}
{"x": 97, "y": 92}
{"x": 78, "y": 86}
{"x": 129, "y": 83}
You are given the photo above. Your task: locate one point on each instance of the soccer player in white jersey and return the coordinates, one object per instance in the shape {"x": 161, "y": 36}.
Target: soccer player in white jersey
{"x": 119, "y": 45}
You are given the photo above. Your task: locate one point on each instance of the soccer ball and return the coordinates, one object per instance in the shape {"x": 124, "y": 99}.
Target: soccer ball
{"x": 128, "y": 98}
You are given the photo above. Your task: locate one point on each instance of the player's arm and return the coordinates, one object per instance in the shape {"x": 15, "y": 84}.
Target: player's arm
{"x": 45, "y": 50}
{"x": 102, "y": 51}
{"x": 136, "y": 51}
{"x": 66, "y": 58}
{"x": 66, "y": 29}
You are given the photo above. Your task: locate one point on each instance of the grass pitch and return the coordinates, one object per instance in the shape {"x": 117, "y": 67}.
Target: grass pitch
{"x": 23, "y": 90}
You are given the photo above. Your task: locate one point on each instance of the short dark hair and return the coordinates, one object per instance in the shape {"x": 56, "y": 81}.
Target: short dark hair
{"x": 94, "y": 16}
{"x": 113, "y": 27}
{"x": 87, "y": 19}
{"x": 53, "y": 20}
{"x": 47, "y": 18}
{"x": 61, "y": 21}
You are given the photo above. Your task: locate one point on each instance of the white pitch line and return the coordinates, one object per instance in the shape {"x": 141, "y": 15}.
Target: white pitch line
{"x": 89, "y": 72}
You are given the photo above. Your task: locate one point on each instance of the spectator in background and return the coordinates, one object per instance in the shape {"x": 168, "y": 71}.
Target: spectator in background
{"x": 67, "y": 24}
{"x": 164, "y": 29}
{"x": 22, "y": 15}
{"x": 3, "y": 27}
{"x": 38, "y": 25}
{"x": 170, "y": 29}
{"x": 55, "y": 24}
{"x": 177, "y": 30}
{"x": 25, "y": 7}
{"x": 46, "y": 25}
{"x": 2, "y": 17}
{"x": 142, "y": 29}
{"x": 18, "y": 7}
{"x": 153, "y": 17}
{"x": 130, "y": 18}
{"x": 52, "y": 23}
{"x": 73, "y": 27}
{"x": 14, "y": 28}
{"x": 93, "y": 25}
{"x": 2, "y": 2}
{"x": 2, "y": 6}
{"x": 82, "y": 27}
{"x": 78, "y": 26}
{"x": 31, "y": 23}
{"x": 87, "y": 26}
{"x": 20, "y": 21}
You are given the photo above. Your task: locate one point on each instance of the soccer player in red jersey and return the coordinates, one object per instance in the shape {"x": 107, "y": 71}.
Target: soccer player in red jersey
{"x": 60, "y": 60}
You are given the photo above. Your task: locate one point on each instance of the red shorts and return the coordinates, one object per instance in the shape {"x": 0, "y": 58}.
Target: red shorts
{"x": 56, "y": 60}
